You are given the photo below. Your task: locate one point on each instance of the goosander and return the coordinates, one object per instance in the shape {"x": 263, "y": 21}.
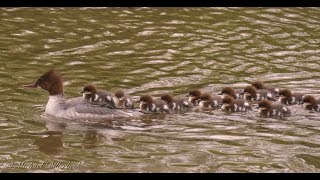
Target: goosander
{"x": 74, "y": 108}
{"x": 147, "y": 103}
{"x": 97, "y": 96}
{"x": 175, "y": 103}
{"x": 122, "y": 100}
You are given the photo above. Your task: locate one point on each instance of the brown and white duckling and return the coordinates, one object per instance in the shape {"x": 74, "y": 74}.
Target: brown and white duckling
{"x": 148, "y": 103}
{"x": 252, "y": 94}
{"x": 97, "y": 97}
{"x": 235, "y": 93}
{"x": 311, "y": 103}
{"x": 266, "y": 108}
{"x": 194, "y": 96}
{"x": 122, "y": 100}
{"x": 289, "y": 98}
{"x": 272, "y": 89}
{"x": 210, "y": 101}
{"x": 175, "y": 103}
{"x": 235, "y": 105}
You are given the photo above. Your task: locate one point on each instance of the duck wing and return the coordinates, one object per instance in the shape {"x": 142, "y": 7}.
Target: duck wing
{"x": 82, "y": 106}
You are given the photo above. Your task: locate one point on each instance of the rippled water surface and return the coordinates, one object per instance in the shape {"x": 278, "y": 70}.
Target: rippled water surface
{"x": 157, "y": 50}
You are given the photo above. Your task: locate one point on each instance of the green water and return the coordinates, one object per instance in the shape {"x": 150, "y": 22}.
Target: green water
{"x": 152, "y": 51}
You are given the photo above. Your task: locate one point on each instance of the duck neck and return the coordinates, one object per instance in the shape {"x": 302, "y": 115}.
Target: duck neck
{"x": 56, "y": 104}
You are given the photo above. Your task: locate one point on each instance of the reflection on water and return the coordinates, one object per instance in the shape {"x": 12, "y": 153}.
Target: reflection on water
{"x": 54, "y": 142}
{"x": 154, "y": 51}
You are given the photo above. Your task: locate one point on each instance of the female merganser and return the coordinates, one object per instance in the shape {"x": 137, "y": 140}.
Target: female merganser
{"x": 235, "y": 93}
{"x": 287, "y": 97}
{"x": 273, "y": 109}
{"x": 271, "y": 89}
{"x": 97, "y": 96}
{"x": 122, "y": 100}
{"x": 235, "y": 105}
{"x": 147, "y": 103}
{"x": 175, "y": 103}
{"x": 75, "y": 108}
{"x": 210, "y": 101}
{"x": 311, "y": 103}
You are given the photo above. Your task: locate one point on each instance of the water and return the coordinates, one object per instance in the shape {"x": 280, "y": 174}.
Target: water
{"x": 152, "y": 51}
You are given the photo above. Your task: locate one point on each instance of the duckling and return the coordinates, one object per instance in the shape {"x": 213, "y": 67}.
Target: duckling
{"x": 194, "y": 96}
{"x": 252, "y": 94}
{"x": 235, "y": 105}
{"x": 122, "y": 100}
{"x": 289, "y": 98}
{"x": 311, "y": 103}
{"x": 147, "y": 103}
{"x": 97, "y": 97}
{"x": 235, "y": 93}
{"x": 271, "y": 89}
{"x": 175, "y": 103}
{"x": 269, "y": 109}
{"x": 210, "y": 101}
